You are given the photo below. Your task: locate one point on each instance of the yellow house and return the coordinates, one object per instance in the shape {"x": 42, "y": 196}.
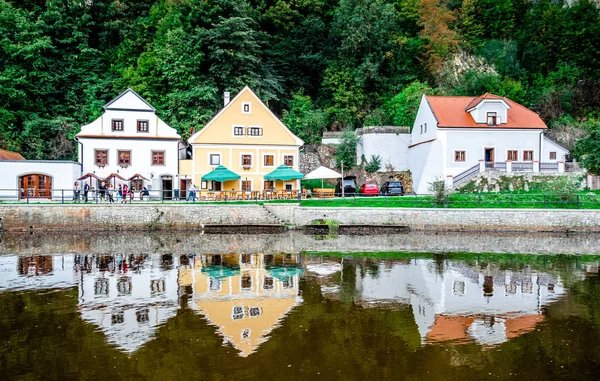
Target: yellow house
{"x": 246, "y": 301}
{"x": 248, "y": 139}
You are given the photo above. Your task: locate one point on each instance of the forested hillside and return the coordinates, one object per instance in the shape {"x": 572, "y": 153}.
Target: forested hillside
{"x": 320, "y": 64}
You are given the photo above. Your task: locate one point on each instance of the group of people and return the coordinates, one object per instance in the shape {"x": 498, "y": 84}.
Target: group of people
{"x": 107, "y": 193}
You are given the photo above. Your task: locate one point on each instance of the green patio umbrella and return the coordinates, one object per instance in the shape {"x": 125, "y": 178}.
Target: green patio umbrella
{"x": 221, "y": 174}
{"x": 283, "y": 172}
{"x": 284, "y": 273}
{"x": 221, "y": 272}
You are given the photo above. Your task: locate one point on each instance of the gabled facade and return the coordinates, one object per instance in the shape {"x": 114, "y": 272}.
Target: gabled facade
{"x": 452, "y": 134}
{"x": 128, "y": 139}
{"x": 248, "y": 139}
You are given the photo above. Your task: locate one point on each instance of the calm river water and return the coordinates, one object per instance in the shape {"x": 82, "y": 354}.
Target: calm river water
{"x": 172, "y": 311}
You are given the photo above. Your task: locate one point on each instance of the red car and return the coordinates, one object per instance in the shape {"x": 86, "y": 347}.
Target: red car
{"x": 369, "y": 190}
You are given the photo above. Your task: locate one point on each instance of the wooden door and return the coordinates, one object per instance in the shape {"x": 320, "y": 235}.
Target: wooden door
{"x": 35, "y": 186}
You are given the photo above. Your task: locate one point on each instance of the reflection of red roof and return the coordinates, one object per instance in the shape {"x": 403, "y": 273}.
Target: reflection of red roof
{"x": 451, "y": 112}
{"x": 521, "y": 325}
{"x": 8, "y": 155}
{"x": 448, "y": 328}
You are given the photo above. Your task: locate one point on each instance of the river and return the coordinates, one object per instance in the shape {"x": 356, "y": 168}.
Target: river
{"x": 179, "y": 306}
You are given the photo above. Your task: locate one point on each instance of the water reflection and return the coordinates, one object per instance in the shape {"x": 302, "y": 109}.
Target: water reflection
{"x": 245, "y": 297}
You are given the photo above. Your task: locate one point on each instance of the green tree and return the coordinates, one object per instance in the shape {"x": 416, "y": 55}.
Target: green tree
{"x": 304, "y": 120}
{"x": 346, "y": 150}
{"x": 402, "y": 108}
{"x": 587, "y": 149}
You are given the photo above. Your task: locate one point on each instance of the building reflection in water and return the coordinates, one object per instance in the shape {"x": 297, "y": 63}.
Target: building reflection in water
{"x": 246, "y": 296}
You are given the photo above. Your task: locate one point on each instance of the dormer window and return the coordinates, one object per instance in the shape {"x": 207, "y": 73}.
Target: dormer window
{"x": 246, "y": 108}
{"x": 491, "y": 118}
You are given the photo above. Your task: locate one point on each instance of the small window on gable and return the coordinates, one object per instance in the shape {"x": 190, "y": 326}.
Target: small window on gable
{"x": 117, "y": 124}
{"x": 288, "y": 160}
{"x": 425, "y": 130}
{"x": 255, "y": 131}
{"x": 512, "y": 155}
{"x": 527, "y": 155}
{"x": 239, "y": 131}
{"x": 142, "y": 126}
{"x": 460, "y": 156}
{"x": 552, "y": 155}
{"x": 491, "y": 119}
{"x": 215, "y": 159}
{"x": 246, "y": 108}
{"x": 421, "y": 128}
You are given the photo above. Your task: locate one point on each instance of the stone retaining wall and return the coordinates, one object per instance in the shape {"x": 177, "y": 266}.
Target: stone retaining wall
{"x": 189, "y": 242}
{"x": 124, "y": 217}
{"x": 446, "y": 219}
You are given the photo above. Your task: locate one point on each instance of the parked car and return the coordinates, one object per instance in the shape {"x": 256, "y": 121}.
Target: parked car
{"x": 349, "y": 183}
{"x": 392, "y": 188}
{"x": 369, "y": 190}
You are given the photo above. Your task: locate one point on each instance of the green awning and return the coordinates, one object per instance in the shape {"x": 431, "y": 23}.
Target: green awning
{"x": 284, "y": 273}
{"x": 221, "y": 272}
{"x": 221, "y": 174}
{"x": 283, "y": 172}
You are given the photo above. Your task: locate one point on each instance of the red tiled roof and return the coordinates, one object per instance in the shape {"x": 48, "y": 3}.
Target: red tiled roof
{"x": 8, "y": 155}
{"x": 451, "y": 112}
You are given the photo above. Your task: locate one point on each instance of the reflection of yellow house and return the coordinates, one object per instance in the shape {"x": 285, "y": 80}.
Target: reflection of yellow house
{"x": 248, "y": 139}
{"x": 247, "y": 302}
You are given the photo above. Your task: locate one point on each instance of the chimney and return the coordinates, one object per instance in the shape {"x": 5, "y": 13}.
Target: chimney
{"x": 226, "y": 98}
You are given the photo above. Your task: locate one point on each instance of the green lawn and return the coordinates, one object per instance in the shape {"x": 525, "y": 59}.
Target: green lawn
{"x": 468, "y": 200}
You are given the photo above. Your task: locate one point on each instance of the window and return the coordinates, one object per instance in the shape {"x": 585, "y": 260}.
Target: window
{"x": 101, "y": 158}
{"x": 269, "y": 160}
{"x": 215, "y": 159}
{"x": 215, "y": 284}
{"x": 142, "y": 316}
{"x": 246, "y": 185}
{"x": 460, "y": 156}
{"x": 124, "y": 158}
{"x": 425, "y": 130}
{"x": 254, "y": 311}
{"x": 255, "y": 131}
{"x": 421, "y": 128}
{"x": 288, "y": 283}
{"x": 158, "y": 157}
{"x": 268, "y": 283}
{"x": 124, "y": 286}
{"x": 246, "y": 160}
{"x": 512, "y": 155}
{"x": 491, "y": 118}
{"x": 288, "y": 187}
{"x": 268, "y": 185}
{"x": 203, "y": 184}
{"x": 552, "y": 155}
{"x": 527, "y": 155}
{"x": 246, "y": 259}
{"x": 288, "y": 160}
{"x": 239, "y": 131}
{"x": 237, "y": 313}
{"x": 117, "y": 124}
{"x": 142, "y": 126}
{"x": 246, "y": 108}
{"x": 246, "y": 282}
{"x": 246, "y": 333}
{"x": 157, "y": 285}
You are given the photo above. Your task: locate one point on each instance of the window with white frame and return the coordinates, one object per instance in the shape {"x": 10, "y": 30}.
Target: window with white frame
{"x": 246, "y": 282}
{"x": 288, "y": 160}
{"x": 254, "y": 311}
{"x": 421, "y": 128}
{"x": 246, "y": 160}
{"x": 237, "y": 313}
{"x": 142, "y": 126}
{"x": 117, "y": 124}
{"x": 268, "y": 282}
{"x": 528, "y": 155}
{"x": 269, "y": 160}
{"x": 215, "y": 159}
{"x": 460, "y": 156}
{"x": 239, "y": 131}
{"x": 425, "y": 128}
{"x": 512, "y": 155}
{"x": 255, "y": 131}
{"x": 246, "y": 108}
{"x": 552, "y": 156}
{"x": 246, "y": 185}
{"x": 491, "y": 118}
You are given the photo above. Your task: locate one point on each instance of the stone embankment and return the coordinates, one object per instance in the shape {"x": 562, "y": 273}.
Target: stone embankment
{"x": 200, "y": 216}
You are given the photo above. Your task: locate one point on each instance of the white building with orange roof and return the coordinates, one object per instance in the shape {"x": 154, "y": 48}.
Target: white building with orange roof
{"x": 452, "y": 135}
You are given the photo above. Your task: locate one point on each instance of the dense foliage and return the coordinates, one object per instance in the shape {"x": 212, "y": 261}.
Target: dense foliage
{"x": 319, "y": 64}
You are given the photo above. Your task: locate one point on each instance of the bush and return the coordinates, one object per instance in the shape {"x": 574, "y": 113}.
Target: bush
{"x": 374, "y": 165}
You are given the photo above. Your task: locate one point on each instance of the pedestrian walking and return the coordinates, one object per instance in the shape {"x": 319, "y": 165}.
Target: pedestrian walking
{"x": 102, "y": 191}
{"x": 125, "y": 194}
{"x": 110, "y": 192}
{"x": 191, "y": 193}
{"x": 120, "y": 194}
{"x": 86, "y": 189}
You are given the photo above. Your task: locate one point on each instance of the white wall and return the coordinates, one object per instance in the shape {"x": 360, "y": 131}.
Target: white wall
{"x": 474, "y": 140}
{"x": 426, "y": 165}
{"x": 424, "y": 116}
{"x": 63, "y": 174}
{"x": 393, "y": 149}
{"x": 550, "y": 146}
{"x": 497, "y": 106}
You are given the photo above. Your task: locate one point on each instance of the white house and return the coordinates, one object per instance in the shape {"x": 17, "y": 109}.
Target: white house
{"x": 129, "y": 139}
{"x": 453, "y": 134}
{"x": 36, "y": 179}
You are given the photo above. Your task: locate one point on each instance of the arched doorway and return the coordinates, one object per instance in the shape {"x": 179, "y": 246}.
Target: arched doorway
{"x": 35, "y": 186}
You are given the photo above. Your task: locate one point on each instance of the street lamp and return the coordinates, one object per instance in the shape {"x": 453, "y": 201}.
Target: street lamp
{"x": 342, "y": 181}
